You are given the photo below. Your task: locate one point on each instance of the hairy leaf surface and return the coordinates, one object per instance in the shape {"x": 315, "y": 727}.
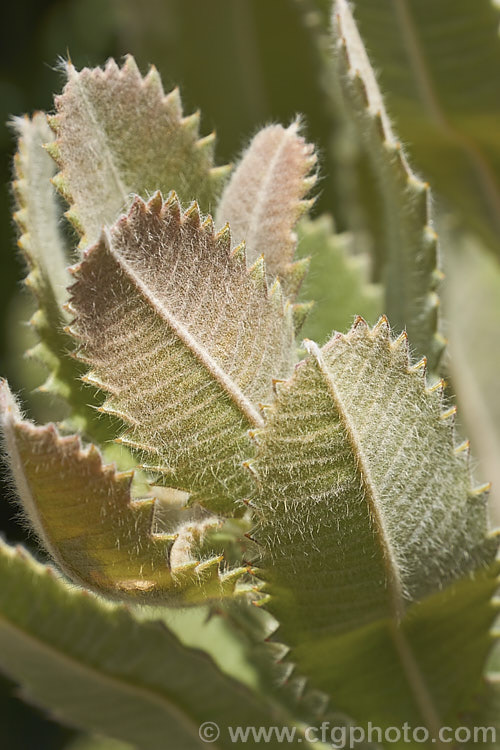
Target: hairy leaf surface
{"x": 84, "y": 514}
{"x": 186, "y": 340}
{"x": 117, "y": 135}
{"x": 365, "y": 507}
{"x": 265, "y": 197}
{"x": 96, "y": 667}
{"x": 44, "y": 250}
{"x": 439, "y": 67}
{"x": 411, "y": 274}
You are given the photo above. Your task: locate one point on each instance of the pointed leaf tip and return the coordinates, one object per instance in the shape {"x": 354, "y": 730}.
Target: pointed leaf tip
{"x": 371, "y": 503}
{"x": 139, "y": 113}
{"x": 264, "y": 197}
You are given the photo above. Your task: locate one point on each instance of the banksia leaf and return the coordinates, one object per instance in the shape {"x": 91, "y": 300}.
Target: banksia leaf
{"x": 411, "y": 274}
{"x": 265, "y": 197}
{"x": 119, "y": 134}
{"x": 427, "y": 671}
{"x": 337, "y": 280}
{"x": 96, "y": 666}
{"x": 439, "y": 67}
{"x": 43, "y": 249}
{"x": 37, "y": 215}
{"x": 364, "y": 508}
{"x": 473, "y": 274}
{"x": 185, "y": 340}
{"x": 83, "y": 513}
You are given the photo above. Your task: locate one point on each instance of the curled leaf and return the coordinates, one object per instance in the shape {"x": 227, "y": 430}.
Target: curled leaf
{"x": 102, "y": 538}
{"x": 185, "y": 340}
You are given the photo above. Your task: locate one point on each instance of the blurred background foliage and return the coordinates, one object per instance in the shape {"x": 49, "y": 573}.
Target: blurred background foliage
{"x": 245, "y": 63}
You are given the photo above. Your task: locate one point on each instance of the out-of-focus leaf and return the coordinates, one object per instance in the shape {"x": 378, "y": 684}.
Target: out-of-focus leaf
{"x": 97, "y": 743}
{"x": 94, "y": 665}
{"x": 410, "y": 270}
{"x": 438, "y": 64}
{"x": 472, "y": 302}
{"x": 337, "y": 281}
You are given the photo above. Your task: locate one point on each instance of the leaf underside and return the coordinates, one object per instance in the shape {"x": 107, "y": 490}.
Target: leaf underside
{"x": 186, "y": 340}
{"x": 119, "y": 135}
{"x": 411, "y": 275}
{"x": 101, "y": 538}
{"x": 365, "y": 507}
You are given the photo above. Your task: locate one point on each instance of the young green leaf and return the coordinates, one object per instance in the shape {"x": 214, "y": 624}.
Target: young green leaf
{"x": 337, "y": 280}
{"x": 94, "y": 665}
{"x": 265, "y": 197}
{"x": 439, "y": 67}
{"x": 118, "y": 135}
{"x": 186, "y": 340}
{"x": 83, "y": 513}
{"x": 364, "y": 508}
{"x": 411, "y": 274}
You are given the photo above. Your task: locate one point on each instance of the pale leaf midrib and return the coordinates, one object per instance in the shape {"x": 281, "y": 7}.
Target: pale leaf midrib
{"x": 255, "y": 222}
{"x": 236, "y": 395}
{"x": 416, "y": 681}
{"x": 430, "y": 100}
{"x": 392, "y": 571}
{"x": 411, "y": 669}
{"x": 115, "y": 683}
